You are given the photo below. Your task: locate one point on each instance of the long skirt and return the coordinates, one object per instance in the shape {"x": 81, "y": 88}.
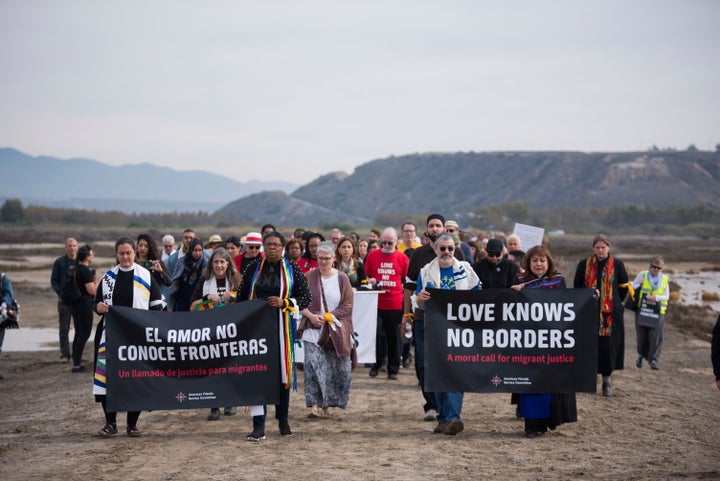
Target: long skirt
{"x": 327, "y": 377}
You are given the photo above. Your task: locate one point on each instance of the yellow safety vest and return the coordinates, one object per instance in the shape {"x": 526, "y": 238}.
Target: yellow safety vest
{"x": 647, "y": 290}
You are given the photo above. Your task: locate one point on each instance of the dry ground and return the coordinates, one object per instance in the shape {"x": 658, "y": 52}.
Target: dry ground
{"x": 658, "y": 425}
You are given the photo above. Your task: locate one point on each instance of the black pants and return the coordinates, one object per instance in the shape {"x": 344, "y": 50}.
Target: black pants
{"x": 282, "y": 409}
{"x": 111, "y": 418}
{"x": 388, "y": 323}
{"x": 82, "y": 315}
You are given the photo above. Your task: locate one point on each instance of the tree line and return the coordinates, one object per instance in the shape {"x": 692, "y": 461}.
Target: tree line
{"x": 700, "y": 221}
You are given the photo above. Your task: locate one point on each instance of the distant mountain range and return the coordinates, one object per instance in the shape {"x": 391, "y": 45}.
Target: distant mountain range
{"x": 78, "y": 184}
{"x": 459, "y": 183}
{"x": 452, "y": 183}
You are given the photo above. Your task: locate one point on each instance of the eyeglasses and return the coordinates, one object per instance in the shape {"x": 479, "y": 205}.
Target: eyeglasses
{"x": 494, "y": 254}
{"x": 388, "y": 243}
{"x": 252, "y": 247}
{"x": 451, "y": 230}
{"x": 446, "y": 248}
{"x": 325, "y": 259}
{"x": 656, "y": 267}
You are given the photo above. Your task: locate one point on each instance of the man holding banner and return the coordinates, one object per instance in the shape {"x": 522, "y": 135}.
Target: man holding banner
{"x": 446, "y": 272}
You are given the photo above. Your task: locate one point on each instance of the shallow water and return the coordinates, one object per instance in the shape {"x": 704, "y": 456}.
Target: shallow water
{"x": 692, "y": 287}
{"x": 34, "y": 339}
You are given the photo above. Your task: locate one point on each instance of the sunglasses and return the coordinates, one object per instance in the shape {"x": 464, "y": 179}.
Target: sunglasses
{"x": 252, "y": 247}
{"x": 387, "y": 243}
{"x": 656, "y": 267}
{"x": 446, "y": 248}
{"x": 494, "y": 254}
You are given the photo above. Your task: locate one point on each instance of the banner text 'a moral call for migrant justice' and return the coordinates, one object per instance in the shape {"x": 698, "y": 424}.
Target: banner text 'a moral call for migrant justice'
{"x": 499, "y": 340}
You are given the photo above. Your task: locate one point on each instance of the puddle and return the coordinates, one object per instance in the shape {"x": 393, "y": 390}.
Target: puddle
{"x": 693, "y": 285}
{"x": 35, "y": 339}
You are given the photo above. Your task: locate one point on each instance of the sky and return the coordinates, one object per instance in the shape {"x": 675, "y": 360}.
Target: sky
{"x": 294, "y": 89}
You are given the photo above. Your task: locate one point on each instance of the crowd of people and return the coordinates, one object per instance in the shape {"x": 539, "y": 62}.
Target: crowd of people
{"x": 318, "y": 276}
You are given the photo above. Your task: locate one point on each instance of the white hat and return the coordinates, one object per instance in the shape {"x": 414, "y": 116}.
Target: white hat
{"x": 253, "y": 238}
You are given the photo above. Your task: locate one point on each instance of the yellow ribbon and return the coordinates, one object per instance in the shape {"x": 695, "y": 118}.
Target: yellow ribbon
{"x": 629, "y": 287}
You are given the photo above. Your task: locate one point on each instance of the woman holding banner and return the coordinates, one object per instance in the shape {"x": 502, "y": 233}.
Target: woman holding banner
{"x": 607, "y": 275}
{"x": 283, "y": 284}
{"x": 127, "y": 284}
{"x": 221, "y": 281}
{"x": 327, "y": 376}
{"x": 543, "y": 411}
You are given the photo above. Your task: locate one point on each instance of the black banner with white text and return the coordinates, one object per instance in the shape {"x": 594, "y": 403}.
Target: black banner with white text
{"x": 499, "y": 340}
{"x": 226, "y": 356}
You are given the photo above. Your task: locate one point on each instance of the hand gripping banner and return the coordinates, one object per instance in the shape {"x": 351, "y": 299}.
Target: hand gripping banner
{"x": 220, "y": 357}
{"x": 499, "y": 340}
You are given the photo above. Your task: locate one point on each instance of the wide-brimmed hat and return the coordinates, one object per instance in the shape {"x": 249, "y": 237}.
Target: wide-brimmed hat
{"x": 253, "y": 238}
{"x": 214, "y": 241}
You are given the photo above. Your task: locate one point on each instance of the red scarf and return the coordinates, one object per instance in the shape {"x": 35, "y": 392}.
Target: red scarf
{"x": 606, "y": 290}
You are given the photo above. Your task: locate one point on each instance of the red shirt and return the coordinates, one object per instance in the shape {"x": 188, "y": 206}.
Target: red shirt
{"x": 390, "y": 271}
{"x": 306, "y": 264}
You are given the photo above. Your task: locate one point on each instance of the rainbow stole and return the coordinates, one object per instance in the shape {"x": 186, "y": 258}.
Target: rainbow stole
{"x": 287, "y": 324}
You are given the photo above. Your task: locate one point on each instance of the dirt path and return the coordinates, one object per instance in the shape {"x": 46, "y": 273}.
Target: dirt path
{"x": 658, "y": 425}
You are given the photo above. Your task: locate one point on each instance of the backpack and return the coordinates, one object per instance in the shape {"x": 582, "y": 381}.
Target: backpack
{"x": 70, "y": 293}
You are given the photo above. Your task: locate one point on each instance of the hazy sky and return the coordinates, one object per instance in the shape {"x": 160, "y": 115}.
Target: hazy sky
{"x": 293, "y": 89}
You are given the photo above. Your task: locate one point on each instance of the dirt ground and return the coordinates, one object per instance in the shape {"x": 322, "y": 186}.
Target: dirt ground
{"x": 658, "y": 425}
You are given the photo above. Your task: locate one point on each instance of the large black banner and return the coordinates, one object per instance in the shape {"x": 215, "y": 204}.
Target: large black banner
{"x": 499, "y": 340}
{"x": 226, "y": 356}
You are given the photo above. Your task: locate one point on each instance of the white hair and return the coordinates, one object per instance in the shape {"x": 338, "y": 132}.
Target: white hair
{"x": 168, "y": 238}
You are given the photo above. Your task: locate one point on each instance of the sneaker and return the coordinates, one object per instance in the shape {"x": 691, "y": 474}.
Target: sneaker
{"x": 455, "y": 426}
{"x": 639, "y": 361}
{"x": 393, "y": 377}
{"x": 214, "y": 414}
{"x": 108, "y": 430}
{"x": 231, "y": 411}
{"x": 373, "y": 372}
{"x": 654, "y": 366}
{"x": 285, "y": 428}
{"x": 256, "y": 436}
{"x": 64, "y": 359}
{"x": 440, "y": 428}
{"x": 606, "y": 390}
{"x": 430, "y": 415}
{"x": 530, "y": 433}
{"x": 78, "y": 369}
{"x": 406, "y": 363}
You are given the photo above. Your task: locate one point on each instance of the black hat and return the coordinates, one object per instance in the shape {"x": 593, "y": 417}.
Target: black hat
{"x": 435, "y": 216}
{"x": 494, "y": 245}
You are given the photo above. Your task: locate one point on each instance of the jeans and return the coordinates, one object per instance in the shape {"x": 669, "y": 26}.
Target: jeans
{"x": 2, "y": 338}
{"x": 419, "y": 334}
{"x": 64, "y": 314}
{"x": 449, "y": 406}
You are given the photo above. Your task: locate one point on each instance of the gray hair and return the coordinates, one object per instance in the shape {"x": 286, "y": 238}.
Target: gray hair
{"x": 168, "y": 238}
{"x": 327, "y": 247}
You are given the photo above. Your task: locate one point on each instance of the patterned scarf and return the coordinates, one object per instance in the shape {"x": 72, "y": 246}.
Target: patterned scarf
{"x": 286, "y": 321}
{"x": 606, "y": 289}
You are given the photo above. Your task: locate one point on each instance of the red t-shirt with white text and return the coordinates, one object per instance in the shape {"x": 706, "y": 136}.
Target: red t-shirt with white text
{"x": 390, "y": 271}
